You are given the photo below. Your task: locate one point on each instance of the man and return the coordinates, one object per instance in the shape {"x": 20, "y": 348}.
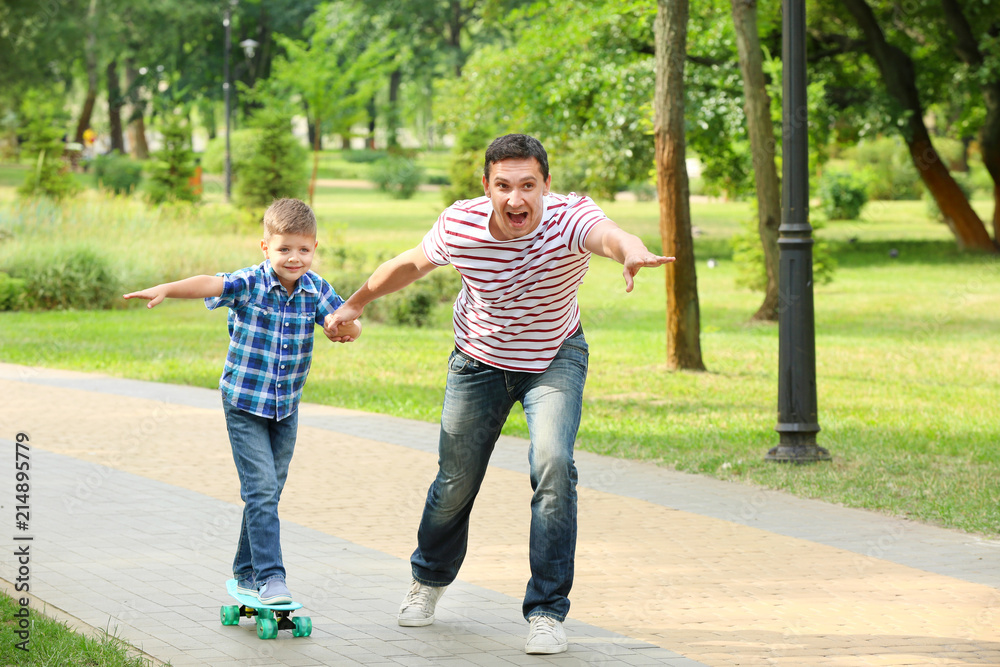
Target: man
{"x": 522, "y": 254}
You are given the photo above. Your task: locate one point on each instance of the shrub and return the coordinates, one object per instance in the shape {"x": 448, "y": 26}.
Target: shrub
{"x": 277, "y": 164}
{"x": 68, "y": 278}
{"x": 11, "y": 292}
{"x": 465, "y": 172}
{"x": 887, "y": 169}
{"x": 173, "y": 165}
{"x": 842, "y": 195}
{"x": 242, "y": 144}
{"x": 364, "y": 156}
{"x": 44, "y": 131}
{"x": 398, "y": 175}
{"x": 117, "y": 173}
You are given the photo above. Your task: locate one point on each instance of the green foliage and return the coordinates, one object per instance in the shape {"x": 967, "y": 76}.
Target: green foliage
{"x": 277, "y": 165}
{"x": 242, "y": 144}
{"x": 398, "y": 175}
{"x": 44, "y": 129}
{"x": 887, "y": 169}
{"x": 748, "y": 257}
{"x": 117, "y": 173}
{"x": 364, "y": 156}
{"x": 466, "y": 169}
{"x": 173, "y": 166}
{"x": 65, "y": 278}
{"x": 11, "y": 292}
{"x": 842, "y": 195}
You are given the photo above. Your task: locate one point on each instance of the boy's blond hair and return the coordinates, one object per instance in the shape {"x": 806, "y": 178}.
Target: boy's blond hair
{"x": 289, "y": 216}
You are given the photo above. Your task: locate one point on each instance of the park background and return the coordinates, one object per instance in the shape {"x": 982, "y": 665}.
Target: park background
{"x": 378, "y": 113}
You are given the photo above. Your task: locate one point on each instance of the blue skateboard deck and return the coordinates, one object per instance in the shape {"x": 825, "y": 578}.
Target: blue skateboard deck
{"x": 269, "y": 617}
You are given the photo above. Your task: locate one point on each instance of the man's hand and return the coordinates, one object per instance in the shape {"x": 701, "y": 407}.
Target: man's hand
{"x": 343, "y": 325}
{"x": 635, "y": 262}
{"x": 153, "y": 294}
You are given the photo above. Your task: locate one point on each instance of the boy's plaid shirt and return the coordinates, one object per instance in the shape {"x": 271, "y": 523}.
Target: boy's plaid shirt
{"x": 270, "y": 337}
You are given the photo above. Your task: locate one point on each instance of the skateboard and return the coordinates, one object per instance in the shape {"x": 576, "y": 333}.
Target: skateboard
{"x": 269, "y": 617}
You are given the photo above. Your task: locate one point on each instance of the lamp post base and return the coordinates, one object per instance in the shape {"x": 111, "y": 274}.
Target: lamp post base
{"x": 798, "y": 453}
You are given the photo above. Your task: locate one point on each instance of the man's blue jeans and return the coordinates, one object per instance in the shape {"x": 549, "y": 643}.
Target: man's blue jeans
{"x": 477, "y": 400}
{"x": 262, "y": 450}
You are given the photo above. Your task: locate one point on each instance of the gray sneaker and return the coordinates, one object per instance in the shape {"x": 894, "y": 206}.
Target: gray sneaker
{"x": 246, "y": 587}
{"x": 545, "y": 636}
{"x": 418, "y": 606}
{"x": 274, "y": 592}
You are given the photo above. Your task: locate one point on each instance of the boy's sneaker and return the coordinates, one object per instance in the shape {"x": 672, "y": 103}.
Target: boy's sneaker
{"x": 246, "y": 587}
{"x": 418, "y": 606}
{"x": 274, "y": 592}
{"x": 545, "y": 636}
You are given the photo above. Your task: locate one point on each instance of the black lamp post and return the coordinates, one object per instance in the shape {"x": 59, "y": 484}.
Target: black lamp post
{"x": 798, "y": 423}
{"x": 226, "y": 22}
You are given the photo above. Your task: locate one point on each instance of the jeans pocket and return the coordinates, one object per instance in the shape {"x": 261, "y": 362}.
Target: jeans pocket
{"x": 460, "y": 364}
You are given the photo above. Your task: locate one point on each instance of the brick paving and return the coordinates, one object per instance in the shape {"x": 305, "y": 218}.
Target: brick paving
{"x": 135, "y": 512}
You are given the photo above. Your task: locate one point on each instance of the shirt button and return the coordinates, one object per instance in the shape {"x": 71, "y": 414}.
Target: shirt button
{"x": 282, "y": 367}
{"x": 286, "y": 324}
{"x": 284, "y": 347}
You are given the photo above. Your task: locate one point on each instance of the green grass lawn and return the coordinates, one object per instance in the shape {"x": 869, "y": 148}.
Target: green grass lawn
{"x": 51, "y": 643}
{"x": 908, "y": 366}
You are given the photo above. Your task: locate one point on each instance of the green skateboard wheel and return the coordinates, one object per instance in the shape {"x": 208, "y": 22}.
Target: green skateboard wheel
{"x": 303, "y": 626}
{"x": 267, "y": 628}
{"x": 230, "y": 614}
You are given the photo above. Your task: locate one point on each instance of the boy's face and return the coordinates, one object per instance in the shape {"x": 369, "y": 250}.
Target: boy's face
{"x": 291, "y": 256}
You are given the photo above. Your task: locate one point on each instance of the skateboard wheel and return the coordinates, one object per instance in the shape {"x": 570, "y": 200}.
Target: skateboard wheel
{"x": 267, "y": 628}
{"x": 303, "y": 626}
{"x": 230, "y": 615}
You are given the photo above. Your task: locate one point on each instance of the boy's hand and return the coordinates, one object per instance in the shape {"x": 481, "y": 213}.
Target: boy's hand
{"x": 341, "y": 332}
{"x": 154, "y": 294}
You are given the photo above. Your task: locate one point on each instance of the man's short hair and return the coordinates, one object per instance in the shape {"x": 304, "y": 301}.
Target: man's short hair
{"x": 289, "y": 216}
{"x": 517, "y": 146}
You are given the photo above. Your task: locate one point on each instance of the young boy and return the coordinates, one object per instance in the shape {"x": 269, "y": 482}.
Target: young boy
{"x": 273, "y": 310}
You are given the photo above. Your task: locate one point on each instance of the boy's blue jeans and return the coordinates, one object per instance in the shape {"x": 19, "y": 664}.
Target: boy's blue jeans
{"x": 262, "y": 450}
{"x": 477, "y": 400}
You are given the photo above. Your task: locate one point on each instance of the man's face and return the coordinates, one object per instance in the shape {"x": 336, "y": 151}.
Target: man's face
{"x": 516, "y": 189}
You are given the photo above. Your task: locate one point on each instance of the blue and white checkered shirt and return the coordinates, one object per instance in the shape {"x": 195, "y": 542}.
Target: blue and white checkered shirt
{"x": 270, "y": 337}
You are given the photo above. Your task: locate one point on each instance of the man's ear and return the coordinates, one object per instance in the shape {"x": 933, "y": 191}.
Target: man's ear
{"x": 486, "y": 186}
{"x": 548, "y": 184}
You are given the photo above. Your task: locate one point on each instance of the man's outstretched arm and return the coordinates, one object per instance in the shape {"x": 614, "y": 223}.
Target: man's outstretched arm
{"x": 609, "y": 240}
{"x": 390, "y": 277}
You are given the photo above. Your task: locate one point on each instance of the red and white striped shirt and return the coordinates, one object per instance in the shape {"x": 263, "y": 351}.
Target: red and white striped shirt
{"x": 518, "y": 300}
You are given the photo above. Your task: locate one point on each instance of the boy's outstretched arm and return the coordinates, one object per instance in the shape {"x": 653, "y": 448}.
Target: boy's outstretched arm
{"x": 609, "y": 240}
{"x": 196, "y": 287}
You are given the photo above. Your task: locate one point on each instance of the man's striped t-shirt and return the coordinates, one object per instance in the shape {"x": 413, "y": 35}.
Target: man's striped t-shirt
{"x": 518, "y": 301}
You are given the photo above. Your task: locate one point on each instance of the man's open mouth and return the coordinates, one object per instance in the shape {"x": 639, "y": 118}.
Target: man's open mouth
{"x": 517, "y": 218}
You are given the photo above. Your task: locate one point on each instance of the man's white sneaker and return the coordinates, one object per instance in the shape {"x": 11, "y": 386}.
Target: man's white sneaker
{"x": 545, "y": 636}
{"x": 418, "y": 606}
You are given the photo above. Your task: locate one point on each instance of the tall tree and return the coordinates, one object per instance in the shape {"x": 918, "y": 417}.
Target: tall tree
{"x": 115, "y": 104}
{"x": 335, "y": 71}
{"x": 900, "y": 79}
{"x": 683, "y": 314}
{"x": 90, "y": 64}
{"x": 762, "y": 144}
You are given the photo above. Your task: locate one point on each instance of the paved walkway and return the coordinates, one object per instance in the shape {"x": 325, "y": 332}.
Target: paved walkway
{"x": 135, "y": 510}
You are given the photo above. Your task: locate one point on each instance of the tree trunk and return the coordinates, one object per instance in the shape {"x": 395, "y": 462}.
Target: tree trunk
{"x": 683, "y": 316}
{"x": 761, "y": 130}
{"x": 137, "y": 126}
{"x": 455, "y": 23}
{"x": 968, "y": 50}
{"x": 899, "y": 77}
{"x": 316, "y": 150}
{"x": 90, "y": 62}
{"x": 114, "y": 107}
{"x": 392, "y": 118}
{"x": 372, "y": 111}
